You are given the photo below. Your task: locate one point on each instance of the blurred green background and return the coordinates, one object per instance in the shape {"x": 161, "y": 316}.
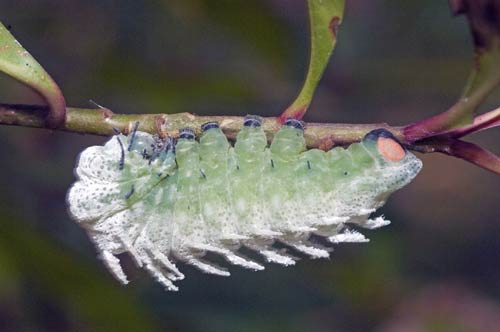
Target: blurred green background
{"x": 436, "y": 268}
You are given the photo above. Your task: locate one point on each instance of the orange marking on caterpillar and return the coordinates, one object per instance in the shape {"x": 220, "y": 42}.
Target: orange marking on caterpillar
{"x": 390, "y": 149}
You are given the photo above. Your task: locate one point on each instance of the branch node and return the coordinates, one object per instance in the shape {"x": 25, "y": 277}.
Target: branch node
{"x": 160, "y": 122}
{"x": 106, "y": 113}
{"x": 327, "y": 143}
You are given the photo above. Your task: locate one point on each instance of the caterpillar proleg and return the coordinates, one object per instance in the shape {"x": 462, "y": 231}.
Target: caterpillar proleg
{"x": 165, "y": 201}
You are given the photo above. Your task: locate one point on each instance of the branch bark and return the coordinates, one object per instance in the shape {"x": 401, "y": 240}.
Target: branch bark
{"x": 324, "y": 136}
{"x": 102, "y": 121}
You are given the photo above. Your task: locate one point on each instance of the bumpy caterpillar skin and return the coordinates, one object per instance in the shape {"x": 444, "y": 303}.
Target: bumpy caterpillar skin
{"x": 163, "y": 202}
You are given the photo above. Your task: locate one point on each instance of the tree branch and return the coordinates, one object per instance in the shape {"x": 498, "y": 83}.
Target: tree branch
{"x": 324, "y": 136}
{"x": 102, "y": 121}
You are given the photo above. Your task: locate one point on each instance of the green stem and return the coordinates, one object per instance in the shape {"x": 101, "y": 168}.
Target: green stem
{"x": 485, "y": 77}
{"x": 16, "y": 62}
{"x": 324, "y": 17}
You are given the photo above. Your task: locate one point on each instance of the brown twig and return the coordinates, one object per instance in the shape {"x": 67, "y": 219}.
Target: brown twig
{"x": 102, "y": 121}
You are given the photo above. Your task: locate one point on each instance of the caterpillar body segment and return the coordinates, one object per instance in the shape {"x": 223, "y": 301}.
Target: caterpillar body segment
{"x": 164, "y": 201}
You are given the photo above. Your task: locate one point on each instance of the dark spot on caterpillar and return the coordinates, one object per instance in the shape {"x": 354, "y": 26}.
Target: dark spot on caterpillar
{"x": 116, "y": 131}
{"x": 238, "y": 167}
{"x": 130, "y": 193}
{"x": 186, "y": 133}
{"x": 346, "y": 173}
{"x": 203, "y": 174}
{"x": 308, "y": 164}
{"x": 9, "y": 27}
{"x": 252, "y": 121}
{"x": 209, "y": 125}
{"x": 132, "y": 138}
{"x": 294, "y": 123}
{"x": 380, "y": 132}
{"x": 144, "y": 154}
{"x": 272, "y": 163}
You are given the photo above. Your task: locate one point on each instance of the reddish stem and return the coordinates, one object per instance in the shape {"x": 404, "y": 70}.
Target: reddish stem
{"x": 469, "y": 152}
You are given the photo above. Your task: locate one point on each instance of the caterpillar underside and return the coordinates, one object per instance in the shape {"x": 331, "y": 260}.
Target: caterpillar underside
{"x": 166, "y": 200}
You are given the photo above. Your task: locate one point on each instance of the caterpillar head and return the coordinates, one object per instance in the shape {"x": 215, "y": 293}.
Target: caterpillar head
{"x": 396, "y": 166}
{"x": 368, "y": 172}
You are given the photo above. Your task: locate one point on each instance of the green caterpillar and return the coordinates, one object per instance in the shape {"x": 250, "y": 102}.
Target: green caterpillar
{"x": 162, "y": 200}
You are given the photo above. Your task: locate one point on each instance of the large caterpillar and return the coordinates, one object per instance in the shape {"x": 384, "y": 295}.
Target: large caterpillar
{"x": 163, "y": 200}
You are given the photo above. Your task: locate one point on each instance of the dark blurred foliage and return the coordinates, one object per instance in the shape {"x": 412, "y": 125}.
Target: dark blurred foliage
{"x": 436, "y": 268}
